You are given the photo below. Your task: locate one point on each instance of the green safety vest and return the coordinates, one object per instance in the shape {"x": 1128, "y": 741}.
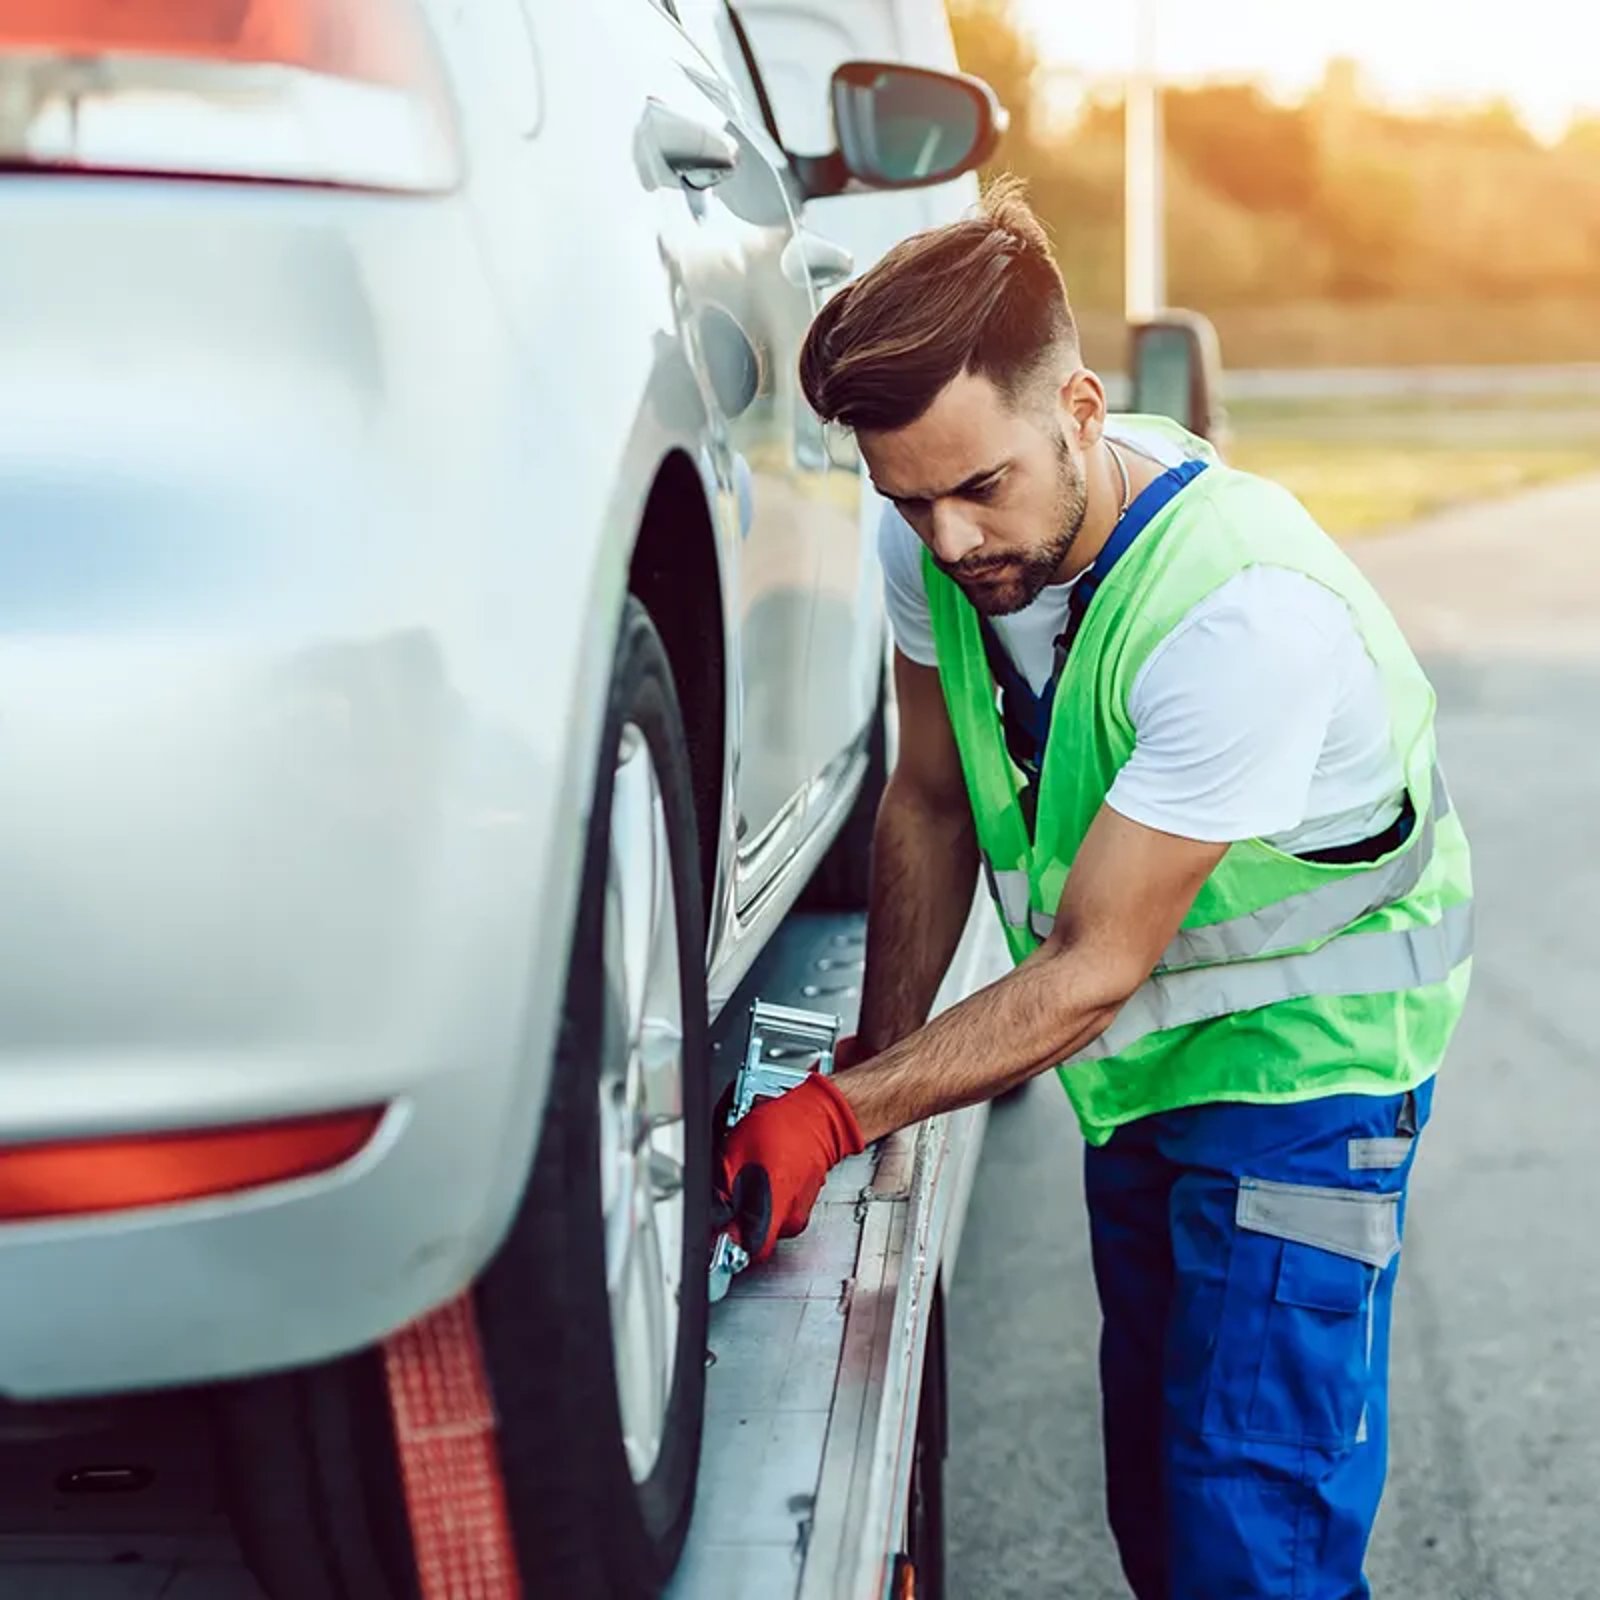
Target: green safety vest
{"x": 1288, "y": 979}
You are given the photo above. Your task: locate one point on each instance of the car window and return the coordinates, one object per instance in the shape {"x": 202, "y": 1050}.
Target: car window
{"x": 711, "y": 25}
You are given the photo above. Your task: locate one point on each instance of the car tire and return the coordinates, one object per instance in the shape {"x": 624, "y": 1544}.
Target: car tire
{"x": 598, "y": 1491}
{"x": 579, "y": 1512}
{"x": 843, "y": 881}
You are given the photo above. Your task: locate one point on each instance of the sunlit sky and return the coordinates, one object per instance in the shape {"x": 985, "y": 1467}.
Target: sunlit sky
{"x": 1543, "y": 55}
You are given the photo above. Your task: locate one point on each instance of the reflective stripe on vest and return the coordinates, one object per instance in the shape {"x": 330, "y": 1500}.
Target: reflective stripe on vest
{"x": 1301, "y": 919}
{"x": 1358, "y": 963}
{"x": 1313, "y": 914}
{"x": 1010, "y": 892}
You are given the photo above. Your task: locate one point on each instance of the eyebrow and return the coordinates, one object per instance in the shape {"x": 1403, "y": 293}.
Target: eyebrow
{"x": 964, "y": 487}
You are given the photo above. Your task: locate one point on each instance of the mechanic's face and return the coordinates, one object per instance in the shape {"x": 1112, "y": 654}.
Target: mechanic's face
{"x": 997, "y": 492}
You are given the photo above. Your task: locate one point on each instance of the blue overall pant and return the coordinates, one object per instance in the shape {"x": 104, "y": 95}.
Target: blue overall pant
{"x": 1246, "y": 1259}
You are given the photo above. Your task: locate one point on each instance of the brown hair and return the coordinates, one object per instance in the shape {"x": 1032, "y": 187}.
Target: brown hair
{"x": 981, "y": 295}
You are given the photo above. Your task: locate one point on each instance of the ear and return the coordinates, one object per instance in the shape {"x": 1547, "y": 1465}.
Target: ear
{"x": 1083, "y": 406}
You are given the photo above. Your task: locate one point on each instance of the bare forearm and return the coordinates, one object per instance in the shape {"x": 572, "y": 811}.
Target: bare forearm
{"x": 1129, "y": 889}
{"x": 1049, "y": 1008}
{"x": 924, "y": 866}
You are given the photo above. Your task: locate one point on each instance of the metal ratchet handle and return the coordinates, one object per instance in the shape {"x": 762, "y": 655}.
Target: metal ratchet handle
{"x": 780, "y": 1048}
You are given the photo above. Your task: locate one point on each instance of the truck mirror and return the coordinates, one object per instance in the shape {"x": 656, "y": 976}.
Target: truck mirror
{"x": 1175, "y": 370}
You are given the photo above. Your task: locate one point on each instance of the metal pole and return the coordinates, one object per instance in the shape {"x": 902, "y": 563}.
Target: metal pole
{"x": 1144, "y": 269}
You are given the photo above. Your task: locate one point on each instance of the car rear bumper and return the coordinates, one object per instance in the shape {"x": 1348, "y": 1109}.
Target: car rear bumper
{"x": 296, "y": 745}
{"x": 249, "y": 1283}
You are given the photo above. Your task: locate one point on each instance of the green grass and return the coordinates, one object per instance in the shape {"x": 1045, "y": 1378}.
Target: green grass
{"x": 1361, "y": 468}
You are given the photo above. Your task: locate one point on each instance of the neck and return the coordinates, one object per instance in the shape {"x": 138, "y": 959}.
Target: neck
{"x": 1103, "y": 502}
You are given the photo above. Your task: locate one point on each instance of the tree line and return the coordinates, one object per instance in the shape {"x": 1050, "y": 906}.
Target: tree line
{"x": 1335, "y": 199}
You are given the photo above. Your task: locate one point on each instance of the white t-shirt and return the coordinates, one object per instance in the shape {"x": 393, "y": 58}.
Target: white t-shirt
{"x": 1260, "y": 716}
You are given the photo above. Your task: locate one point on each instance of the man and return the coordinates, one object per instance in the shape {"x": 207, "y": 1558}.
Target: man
{"x": 1208, "y": 810}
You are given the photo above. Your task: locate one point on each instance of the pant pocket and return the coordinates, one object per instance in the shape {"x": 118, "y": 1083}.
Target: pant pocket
{"x": 1292, "y": 1361}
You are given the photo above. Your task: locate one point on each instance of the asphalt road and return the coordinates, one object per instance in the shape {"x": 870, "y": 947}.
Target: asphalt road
{"x": 1495, "y": 1459}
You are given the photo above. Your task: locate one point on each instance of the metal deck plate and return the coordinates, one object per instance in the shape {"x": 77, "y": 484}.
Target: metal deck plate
{"x": 800, "y": 1348}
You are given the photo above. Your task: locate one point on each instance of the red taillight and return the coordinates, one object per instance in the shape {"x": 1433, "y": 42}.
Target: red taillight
{"x": 83, "y": 1176}
{"x": 350, "y": 40}
{"x": 322, "y": 91}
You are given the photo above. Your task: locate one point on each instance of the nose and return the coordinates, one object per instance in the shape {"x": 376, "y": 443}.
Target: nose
{"x": 955, "y": 533}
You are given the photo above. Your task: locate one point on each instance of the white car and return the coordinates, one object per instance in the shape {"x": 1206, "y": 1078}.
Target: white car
{"x": 439, "y": 647}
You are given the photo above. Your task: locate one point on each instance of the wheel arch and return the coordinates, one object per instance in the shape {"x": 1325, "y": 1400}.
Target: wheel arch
{"x": 675, "y": 573}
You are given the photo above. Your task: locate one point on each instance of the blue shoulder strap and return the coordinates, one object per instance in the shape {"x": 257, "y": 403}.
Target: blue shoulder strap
{"x": 1025, "y": 715}
{"x": 1146, "y": 506}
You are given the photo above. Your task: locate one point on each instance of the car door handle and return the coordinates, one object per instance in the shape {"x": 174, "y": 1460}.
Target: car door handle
{"x": 809, "y": 258}
{"x": 699, "y": 153}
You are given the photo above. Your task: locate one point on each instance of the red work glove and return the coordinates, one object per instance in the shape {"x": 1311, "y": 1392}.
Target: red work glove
{"x": 773, "y": 1162}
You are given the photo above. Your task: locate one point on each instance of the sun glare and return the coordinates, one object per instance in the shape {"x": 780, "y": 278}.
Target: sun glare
{"x": 1412, "y": 53}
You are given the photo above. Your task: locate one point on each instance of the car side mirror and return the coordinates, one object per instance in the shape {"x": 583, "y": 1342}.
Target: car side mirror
{"x": 901, "y": 127}
{"x": 1175, "y": 369}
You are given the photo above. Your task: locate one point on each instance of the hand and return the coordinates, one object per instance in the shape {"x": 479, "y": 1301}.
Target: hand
{"x": 774, "y": 1161}
{"x": 847, "y": 1052}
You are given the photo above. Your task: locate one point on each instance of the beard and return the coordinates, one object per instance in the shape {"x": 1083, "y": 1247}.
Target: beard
{"x": 998, "y": 588}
